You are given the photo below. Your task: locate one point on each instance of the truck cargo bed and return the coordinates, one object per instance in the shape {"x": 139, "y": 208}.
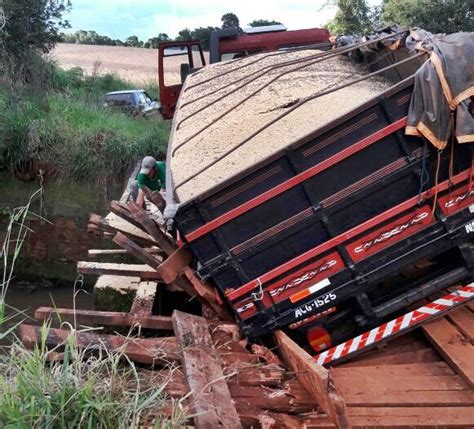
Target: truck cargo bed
{"x": 340, "y": 210}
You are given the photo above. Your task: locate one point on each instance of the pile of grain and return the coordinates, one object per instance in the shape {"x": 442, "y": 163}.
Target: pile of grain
{"x": 250, "y": 115}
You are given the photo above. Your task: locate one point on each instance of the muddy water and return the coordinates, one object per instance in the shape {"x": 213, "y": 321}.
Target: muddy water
{"x": 23, "y": 300}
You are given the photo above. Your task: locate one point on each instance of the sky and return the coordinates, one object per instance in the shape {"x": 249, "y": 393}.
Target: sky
{"x": 119, "y": 19}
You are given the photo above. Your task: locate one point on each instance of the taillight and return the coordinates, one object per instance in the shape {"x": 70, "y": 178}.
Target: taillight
{"x": 318, "y": 338}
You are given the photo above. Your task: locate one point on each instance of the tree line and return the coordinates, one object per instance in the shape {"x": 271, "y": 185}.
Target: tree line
{"x": 203, "y": 34}
{"x": 436, "y": 16}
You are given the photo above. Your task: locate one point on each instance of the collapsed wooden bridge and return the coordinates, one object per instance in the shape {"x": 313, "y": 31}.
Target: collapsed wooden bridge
{"x": 422, "y": 379}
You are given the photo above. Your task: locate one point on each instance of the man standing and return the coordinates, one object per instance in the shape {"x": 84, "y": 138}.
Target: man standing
{"x": 152, "y": 175}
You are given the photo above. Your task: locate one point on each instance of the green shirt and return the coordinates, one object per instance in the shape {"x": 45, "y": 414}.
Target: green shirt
{"x": 158, "y": 182}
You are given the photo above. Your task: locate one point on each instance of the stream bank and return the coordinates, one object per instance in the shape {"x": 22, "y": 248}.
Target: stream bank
{"x": 58, "y": 222}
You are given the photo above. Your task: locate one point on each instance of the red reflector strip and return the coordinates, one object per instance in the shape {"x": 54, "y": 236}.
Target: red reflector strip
{"x": 409, "y": 320}
{"x": 296, "y": 180}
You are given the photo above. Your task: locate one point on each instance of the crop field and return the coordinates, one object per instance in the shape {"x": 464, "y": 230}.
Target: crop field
{"x": 136, "y": 65}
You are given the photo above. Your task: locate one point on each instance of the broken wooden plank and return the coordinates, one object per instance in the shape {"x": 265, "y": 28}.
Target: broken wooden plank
{"x": 205, "y": 291}
{"x": 113, "y": 252}
{"x": 464, "y": 321}
{"x": 148, "y": 351}
{"x": 453, "y": 346}
{"x": 144, "y": 299}
{"x": 315, "y": 378}
{"x": 174, "y": 264}
{"x": 155, "y": 198}
{"x": 141, "y": 216}
{"x": 113, "y": 224}
{"x": 98, "y": 268}
{"x": 212, "y": 402}
{"x": 405, "y": 417}
{"x": 104, "y": 318}
{"x": 134, "y": 249}
{"x": 122, "y": 211}
{"x": 278, "y": 399}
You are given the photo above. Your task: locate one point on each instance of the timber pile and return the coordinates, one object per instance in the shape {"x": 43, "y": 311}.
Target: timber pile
{"x": 235, "y": 88}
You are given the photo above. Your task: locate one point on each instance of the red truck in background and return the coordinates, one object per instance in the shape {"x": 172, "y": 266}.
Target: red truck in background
{"x": 225, "y": 45}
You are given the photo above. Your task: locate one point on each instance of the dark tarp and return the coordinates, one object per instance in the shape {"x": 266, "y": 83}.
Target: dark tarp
{"x": 443, "y": 89}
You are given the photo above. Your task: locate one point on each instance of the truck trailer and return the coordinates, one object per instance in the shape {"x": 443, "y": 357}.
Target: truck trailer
{"x": 314, "y": 198}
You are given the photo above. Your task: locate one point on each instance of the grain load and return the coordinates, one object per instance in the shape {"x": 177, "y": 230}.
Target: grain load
{"x": 203, "y": 130}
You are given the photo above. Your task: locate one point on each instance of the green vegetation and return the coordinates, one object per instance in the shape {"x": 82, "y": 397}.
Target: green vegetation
{"x": 80, "y": 388}
{"x": 68, "y": 131}
{"x": 352, "y": 17}
{"x": 87, "y": 389}
{"x": 437, "y": 16}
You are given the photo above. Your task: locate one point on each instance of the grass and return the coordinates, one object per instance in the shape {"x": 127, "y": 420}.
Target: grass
{"x": 68, "y": 131}
{"x": 82, "y": 388}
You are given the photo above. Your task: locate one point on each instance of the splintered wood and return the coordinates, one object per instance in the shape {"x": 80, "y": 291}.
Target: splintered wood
{"x": 202, "y": 103}
{"x": 211, "y": 399}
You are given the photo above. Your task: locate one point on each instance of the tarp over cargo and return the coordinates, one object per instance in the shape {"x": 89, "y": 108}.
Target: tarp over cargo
{"x": 444, "y": 92}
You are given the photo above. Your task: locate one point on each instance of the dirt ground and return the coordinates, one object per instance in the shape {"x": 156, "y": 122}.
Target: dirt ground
{"x": 136, "y": 65}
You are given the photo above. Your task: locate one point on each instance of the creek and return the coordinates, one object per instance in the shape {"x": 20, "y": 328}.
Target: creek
{"x": 45, "y": 270}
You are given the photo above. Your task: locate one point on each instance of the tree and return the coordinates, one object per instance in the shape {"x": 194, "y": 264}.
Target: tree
{"x": 230, "y": 20}
{"x": 154, "y": 42}
{"x": 203, "y": 34}
{"x": 263, "y": 23}
{"x": 437, "y": 16}
{"x": 185, "y": 35}
{"x": 32, "y": 26}
{"x": 353, "y": 17}
{"x": 133, "y": 42}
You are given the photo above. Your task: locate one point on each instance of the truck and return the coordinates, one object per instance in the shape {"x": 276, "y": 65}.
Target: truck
{"x": 226, "y": 45}
{"x": 351, "y": 223}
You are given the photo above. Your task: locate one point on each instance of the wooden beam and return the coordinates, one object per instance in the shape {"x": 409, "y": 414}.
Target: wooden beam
{"x": 134, "y": 249}
{"x": 112, "y": 224}
{"x": 140, "y": 214}
{"x": 212, "y": 403}
{"x": 464, "y": 321}
{"x": 122, "y": 211}
{"x": 98, "y": 268}
{"x": 380, "y": 397}
{"x": 112, "y": 252}
{"x": 144, "y": 299}
{"x": 408, "y": 417}
{"x": 155, "y": 198}
{"x": 452, "y": 345}
{"x": 315, "y": 378}
{"x": 205, "y": 291}
{"x": 147, "y": 351}
{"x": 104, "y": 318}
{"x": 174, "y": 264}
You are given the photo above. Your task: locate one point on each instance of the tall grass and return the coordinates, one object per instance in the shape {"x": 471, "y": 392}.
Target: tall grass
{"x": 69, "y": 131}
{"x": 89, "y": 388}
{"x": 84, "y": 390}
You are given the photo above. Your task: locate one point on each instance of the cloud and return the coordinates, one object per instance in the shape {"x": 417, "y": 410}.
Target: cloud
{"x": 146, "y": 18}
